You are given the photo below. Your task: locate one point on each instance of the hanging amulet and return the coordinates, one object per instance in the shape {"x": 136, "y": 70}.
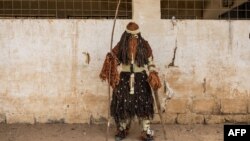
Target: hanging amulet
{"x": 132, "y": 77}
{"x": 132, "y": 83}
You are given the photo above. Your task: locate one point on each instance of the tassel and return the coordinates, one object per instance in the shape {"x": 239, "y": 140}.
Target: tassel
{"x": 132, "y": 77}
{"x": 132, "y": 83}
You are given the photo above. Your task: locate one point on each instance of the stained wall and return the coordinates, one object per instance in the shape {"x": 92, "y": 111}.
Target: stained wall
{"x": 45, "y": 76}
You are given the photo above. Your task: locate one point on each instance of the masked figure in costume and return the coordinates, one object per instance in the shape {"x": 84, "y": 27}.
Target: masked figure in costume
{"x": 132, "y": 95}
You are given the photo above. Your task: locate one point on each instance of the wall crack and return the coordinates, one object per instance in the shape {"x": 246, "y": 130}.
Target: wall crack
{"x": 204, "y": 85}
{"x": 173, "y": 59}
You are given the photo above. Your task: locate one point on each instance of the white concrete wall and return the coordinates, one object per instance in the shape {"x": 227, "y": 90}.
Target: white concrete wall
{"x": 44, "y": 76}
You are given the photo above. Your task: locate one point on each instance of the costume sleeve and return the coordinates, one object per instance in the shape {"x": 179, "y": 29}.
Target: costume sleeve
{"x": 109, "y": 68}
{"x": 151, "y": 64}
{"x": 153, "y": 77}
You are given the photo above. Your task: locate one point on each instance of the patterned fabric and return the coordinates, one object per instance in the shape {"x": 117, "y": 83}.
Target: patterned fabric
{"x": 127, "y": 106}
{"x": 110, "y": 67}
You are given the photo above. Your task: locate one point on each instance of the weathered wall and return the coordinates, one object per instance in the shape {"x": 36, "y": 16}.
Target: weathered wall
{"x": 44, "y": 76}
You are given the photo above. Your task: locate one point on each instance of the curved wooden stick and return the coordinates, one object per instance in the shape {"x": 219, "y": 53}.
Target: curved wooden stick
{"x": 158, "y": 104}
{"x": 109, "y": 89}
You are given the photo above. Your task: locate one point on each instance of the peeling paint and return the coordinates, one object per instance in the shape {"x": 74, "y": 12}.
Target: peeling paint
{"x": 87, "y": 57}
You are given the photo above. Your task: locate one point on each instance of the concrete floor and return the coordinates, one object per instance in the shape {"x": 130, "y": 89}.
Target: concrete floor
{"x": 85, "y": 132}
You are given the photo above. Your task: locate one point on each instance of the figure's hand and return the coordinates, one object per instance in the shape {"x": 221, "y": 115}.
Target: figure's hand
{"x": 154, "y": 80}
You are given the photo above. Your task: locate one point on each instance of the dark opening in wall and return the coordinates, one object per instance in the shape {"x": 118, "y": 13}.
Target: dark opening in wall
{"x": 240, "y": 12}
{"x": 205, "y": 9}
{"x": 65, "y": 9}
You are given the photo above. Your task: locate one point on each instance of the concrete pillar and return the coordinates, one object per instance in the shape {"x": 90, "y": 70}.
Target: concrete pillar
{"x": 147, "y": 14}
{"x": 146, "y": 10}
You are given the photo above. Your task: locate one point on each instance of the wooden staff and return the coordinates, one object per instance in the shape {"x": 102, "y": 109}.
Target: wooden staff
{"x": 158, "y": 104}
{"x": 109, "y": 89}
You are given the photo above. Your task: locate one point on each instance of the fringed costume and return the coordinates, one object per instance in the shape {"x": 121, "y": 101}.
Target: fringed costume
{"x": 132, "y": 95}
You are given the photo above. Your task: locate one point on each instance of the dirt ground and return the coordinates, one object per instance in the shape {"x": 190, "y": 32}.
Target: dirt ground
{"x": 85, "y": 132}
